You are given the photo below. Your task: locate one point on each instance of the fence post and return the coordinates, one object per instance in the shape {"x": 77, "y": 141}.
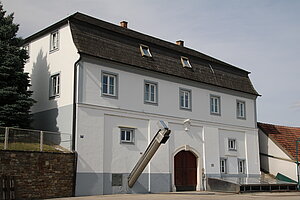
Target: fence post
{"x": 6, "y": 138}
{"x": 41, "y": 140}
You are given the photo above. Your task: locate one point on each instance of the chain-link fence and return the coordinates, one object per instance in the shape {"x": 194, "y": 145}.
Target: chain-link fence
{"x": 33, "y": 140}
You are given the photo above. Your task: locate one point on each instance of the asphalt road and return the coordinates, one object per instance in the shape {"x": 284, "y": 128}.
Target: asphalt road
{"x": 194, "y": 196}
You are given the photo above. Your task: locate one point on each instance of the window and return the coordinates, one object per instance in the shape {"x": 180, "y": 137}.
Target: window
{"x": 145, "y": 50}
{"x": 109, "y": 84}
{"x": 241, "y": 109}
{"x": 223, "y": 166}
{"x": 54, "y": 85}
{"x": 185, "y": 99}
{"x": 231, "y": 144}
{"x": 54, "y": 41}
{"x": 127, "y": 135}
{"x": 150, "y": 92}
{"x": 215, "y": 105}
{"x": 241, "y": 166}
{"x": 185, "y": 62}
{"x": 26, "y": 48}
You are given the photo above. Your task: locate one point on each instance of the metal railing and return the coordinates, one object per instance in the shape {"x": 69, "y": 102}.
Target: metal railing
{"x": 33, "y": 140}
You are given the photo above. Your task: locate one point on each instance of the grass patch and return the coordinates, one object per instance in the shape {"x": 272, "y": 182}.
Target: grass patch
{"x": 30, "y": 147}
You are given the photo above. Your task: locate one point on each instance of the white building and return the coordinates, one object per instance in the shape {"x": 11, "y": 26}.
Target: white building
{"x": 277, "y": 148}
{"x": 110, "y": 85}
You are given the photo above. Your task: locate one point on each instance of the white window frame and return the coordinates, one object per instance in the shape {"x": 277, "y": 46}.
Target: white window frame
{"x": 145, "y": 50}
{"x": 152, "y": 92}
{"x": 124, "y": 131}
{"x": 185, "y": 97}
{"x": 185, "y": 62}
{"x": 223, "y": 165}
{"x": 241, "y": 109}
{"x": 108, "y": 92}
{"x": 241, "y": 166}
{"x": 215, "y": 105}
{"x": 54, "y": 41}
{"x": 54, "y": 85}
{"x": 232, "y": 144}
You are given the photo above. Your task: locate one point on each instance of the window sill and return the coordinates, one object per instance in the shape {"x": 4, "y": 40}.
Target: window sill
{"x": 109, "y": 96}
{"x": 151, "y": 103}
{"x": 53, "y": 50}
{"x": 130, "y": 143}
{"x": 54, "y": 97}
{"x": 186, "y": 109}
{"x": 215, "y": 114}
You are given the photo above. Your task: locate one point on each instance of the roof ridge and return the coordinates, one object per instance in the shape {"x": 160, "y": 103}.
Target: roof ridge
{"x": 279, "y": 125}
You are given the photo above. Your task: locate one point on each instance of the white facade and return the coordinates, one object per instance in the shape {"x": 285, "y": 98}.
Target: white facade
{"x": 207, "y": 136}
{"x": 99, "y": 119}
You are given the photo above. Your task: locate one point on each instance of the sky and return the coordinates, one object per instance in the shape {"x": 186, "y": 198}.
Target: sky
{"x": 260, "y": 36}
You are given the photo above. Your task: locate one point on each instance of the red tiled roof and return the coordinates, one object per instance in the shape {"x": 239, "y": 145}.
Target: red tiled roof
{"x": 284, "y": 136}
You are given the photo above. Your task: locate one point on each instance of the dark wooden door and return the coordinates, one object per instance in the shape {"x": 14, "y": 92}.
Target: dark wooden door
{"x": 185, "y": 171}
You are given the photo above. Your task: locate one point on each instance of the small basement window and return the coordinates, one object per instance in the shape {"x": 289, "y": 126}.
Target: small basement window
{"x": 185, "y": 62}
{"x": 145, "y": 50}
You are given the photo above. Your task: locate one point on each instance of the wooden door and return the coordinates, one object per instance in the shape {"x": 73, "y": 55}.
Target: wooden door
{"x": 185, "y": 167}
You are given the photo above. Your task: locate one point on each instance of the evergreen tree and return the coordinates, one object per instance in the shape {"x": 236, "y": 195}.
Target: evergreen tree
{"x": 15, "y": 99}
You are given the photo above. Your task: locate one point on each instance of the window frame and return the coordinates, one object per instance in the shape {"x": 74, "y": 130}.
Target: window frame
{"x": 225, "y": 165}
{"x": 234, "y": 148}
{"x": 148, "y": 101}
{"x": 148, "y": 54}
{"x": 26, "y": 47}
{"x": 243, "y": 161}
{"x": 52, "y": 47}
{"x": 212, "y": 112}
{"x": 55, "y": 94}
{"x": 132, "y": 135}
{"x": 183, "y": 90}
{"x": 238, "y": 111}
{"x": 187, "y": 64}
{"x": 116, "y": 84}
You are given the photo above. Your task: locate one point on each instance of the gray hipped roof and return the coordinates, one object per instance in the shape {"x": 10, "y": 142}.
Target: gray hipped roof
{"x": 101, "y": 39}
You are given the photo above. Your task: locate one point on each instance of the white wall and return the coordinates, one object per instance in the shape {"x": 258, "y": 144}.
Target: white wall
{"x": 100, "y": 150}
{"x": 131, "y": 96}
{"x": 43, "y": 63}
{"x": 207, "y": 135}
{"x": 232, "y": 156}
{"x": 275, "y": 165}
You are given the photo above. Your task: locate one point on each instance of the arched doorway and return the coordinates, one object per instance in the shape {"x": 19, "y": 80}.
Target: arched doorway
{"x": 185, "y": 169}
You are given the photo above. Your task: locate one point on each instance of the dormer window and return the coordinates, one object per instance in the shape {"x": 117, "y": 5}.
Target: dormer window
{"x": 185, "y": 62}
{"x": 145, "y": 50}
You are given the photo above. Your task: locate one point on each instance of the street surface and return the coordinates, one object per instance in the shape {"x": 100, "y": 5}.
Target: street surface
{"x": 194, "y": 196}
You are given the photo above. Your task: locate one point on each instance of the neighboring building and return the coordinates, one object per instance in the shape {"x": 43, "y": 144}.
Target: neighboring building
{"x": 110, "y": 85}
{"x": 277, "y": 148}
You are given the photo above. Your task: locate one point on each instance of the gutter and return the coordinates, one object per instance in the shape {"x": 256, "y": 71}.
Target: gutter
{"x": 74, "y": 126}
{"x": 279, "y": 158}
{"x": 74, "y": 104}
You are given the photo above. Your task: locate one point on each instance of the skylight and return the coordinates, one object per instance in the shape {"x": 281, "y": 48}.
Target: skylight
{"x": 185, "y": 62}
{"x": 145, "y": 50}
